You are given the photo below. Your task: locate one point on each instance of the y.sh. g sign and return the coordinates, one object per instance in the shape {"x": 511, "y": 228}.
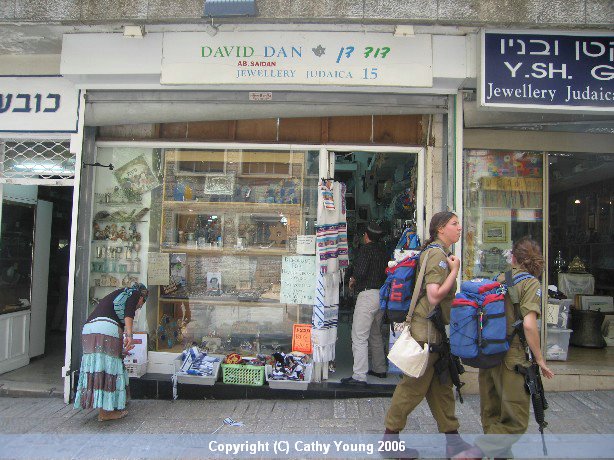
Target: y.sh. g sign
{"x": 297, "y": 58}
{"x": 562, "y": 71}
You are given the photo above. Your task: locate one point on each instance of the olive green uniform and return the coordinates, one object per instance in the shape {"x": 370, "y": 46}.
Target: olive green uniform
{"x": 504, "y": 402}
{"x": 411, "y": 391}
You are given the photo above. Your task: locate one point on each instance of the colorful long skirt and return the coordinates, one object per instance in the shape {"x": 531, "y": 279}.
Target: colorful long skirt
{"x": 103, "y": 380}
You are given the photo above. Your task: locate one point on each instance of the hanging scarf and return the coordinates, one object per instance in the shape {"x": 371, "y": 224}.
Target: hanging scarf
{"x": 332, "y": 256}
{"x": 325, "y": 316}
{"x": 331, "y": 229}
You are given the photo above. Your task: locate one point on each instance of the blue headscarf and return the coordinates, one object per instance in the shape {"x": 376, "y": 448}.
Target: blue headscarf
{"x": 119, "y": 303}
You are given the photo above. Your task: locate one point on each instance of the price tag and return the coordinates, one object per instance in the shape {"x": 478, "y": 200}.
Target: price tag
{"x": 301, "y": 338}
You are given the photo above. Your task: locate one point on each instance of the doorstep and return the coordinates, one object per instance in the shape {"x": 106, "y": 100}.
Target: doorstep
{"x": 17, "y": 389}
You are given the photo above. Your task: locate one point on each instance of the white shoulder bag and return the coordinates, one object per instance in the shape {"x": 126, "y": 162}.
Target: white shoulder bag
{"x": 406, "y": 353}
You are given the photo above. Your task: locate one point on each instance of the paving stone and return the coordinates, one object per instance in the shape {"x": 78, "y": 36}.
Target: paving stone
{"x": 570, "y": 413}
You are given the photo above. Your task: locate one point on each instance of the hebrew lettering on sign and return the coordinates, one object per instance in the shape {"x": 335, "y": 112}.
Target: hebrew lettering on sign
{"x": 22, "y": 103}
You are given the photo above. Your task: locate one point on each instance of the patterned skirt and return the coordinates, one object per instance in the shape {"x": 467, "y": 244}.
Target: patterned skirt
{"x": 103, "y": 380}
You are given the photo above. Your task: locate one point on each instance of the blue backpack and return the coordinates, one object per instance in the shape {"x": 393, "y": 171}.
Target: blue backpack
{"x": 478, "y": 326}
{"x": 395, "y": 295}
{"x": 409, "y": 240}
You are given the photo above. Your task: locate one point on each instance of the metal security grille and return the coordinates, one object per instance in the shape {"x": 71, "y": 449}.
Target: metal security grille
{"x": 30, "y": 160}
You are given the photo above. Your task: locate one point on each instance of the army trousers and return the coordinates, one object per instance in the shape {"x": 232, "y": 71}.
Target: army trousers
{"x": 411, "y": 391}
{"x": 504, "y": 405}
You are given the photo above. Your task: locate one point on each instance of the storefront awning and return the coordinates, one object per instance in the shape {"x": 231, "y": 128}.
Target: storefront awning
{"x": 130, "y": 107}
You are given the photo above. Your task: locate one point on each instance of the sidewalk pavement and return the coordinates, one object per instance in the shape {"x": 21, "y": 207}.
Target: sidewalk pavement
{"x": 587, "y": 412}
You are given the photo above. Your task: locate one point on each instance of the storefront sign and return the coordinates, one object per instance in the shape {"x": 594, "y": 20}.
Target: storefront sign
{"x": 301, "y": 338}
{"x": 298, "y": 279}
{"x": 158, "y": 268}
{"x": 38, "y": 105}
{"x": 257, "y": 58}
{"x": 571, "y": 71}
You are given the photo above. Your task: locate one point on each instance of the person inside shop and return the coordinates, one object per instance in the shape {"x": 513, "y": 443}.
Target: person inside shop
{"x": 368, "y": 275}
{"x": 438, "y": 288}
{"x": 504, "y": 402}
{"x": 106, "y": 338}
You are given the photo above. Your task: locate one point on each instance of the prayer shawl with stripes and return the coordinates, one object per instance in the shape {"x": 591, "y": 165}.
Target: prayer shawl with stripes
{"x": 332, "y": 256}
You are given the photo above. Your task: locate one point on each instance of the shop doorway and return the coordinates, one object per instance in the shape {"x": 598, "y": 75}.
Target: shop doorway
{"x": 581, "y": 254}
{"x": 42, "y": 280}
{"x": 383, "y": 187}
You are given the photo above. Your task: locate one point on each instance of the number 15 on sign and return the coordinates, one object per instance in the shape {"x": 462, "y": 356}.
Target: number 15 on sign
{"x": 301, "y": 338}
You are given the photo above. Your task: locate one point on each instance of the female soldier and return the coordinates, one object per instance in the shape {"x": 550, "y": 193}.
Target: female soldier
{"x": 504, "y": 402}
{"x": 438, "y": 288}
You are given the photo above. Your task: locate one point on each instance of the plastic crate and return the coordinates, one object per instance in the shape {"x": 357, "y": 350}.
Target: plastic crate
{"x": 136, "y": 370}
{"x": 243, "y": 374}
{"x": 197, "y": 379}
{"x": 290, "y": 384}
{"x": 557, "y": 343}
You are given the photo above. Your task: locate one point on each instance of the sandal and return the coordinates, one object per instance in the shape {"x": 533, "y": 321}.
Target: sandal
{"x": 112, "y": 415}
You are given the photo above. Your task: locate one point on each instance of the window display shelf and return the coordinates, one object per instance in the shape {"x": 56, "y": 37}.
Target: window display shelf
{"x": 213, "y": 300}
{"x": 511, "y": 209}
{"x": 226, "y": 251}
{"x": 219, "y": 205}
{"x": 263, "y": 176}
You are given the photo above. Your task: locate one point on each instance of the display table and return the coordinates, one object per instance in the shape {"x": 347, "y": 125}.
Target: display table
{"x": 572, "y": 284}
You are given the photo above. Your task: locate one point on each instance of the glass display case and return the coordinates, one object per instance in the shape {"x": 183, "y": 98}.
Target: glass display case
{"x": 120, "y": 223}
{"x": 228, "y": 218}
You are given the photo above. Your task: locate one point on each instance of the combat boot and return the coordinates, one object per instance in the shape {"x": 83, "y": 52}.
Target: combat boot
{"x": 405, "y": 453}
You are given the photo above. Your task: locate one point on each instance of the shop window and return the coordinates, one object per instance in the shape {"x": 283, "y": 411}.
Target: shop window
{"x": 581, "y": 217}
{"x": 208, "y": 229}
{"x": 502, "y": 202}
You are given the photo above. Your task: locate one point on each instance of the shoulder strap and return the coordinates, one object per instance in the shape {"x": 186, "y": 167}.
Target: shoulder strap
{"x": 430, "y": 246}
{"x": 512, "y": 290}
{"x": 418, "y": 285}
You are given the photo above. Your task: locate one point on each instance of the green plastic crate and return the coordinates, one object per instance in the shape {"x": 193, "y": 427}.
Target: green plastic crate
{"x": 243, "y": 374}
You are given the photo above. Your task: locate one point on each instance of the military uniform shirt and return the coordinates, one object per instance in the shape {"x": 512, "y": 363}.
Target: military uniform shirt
{"x": 529, "y": 298}
{"x": 435, "y": 272}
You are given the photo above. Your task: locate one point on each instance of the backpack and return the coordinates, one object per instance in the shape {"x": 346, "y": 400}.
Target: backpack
{"x": 409, "y": 240}
{"x": 395, "y": 295}
{"x": 478, "y": 325}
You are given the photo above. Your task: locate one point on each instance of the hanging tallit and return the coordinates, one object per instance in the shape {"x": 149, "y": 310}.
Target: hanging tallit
{"x": 332, "y": 257}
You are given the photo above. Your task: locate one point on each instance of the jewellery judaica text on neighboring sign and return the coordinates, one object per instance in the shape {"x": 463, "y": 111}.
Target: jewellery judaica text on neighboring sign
{"x": 38, "y": 104}
{"x": 556, "y": 71}
{"x": 297, "y": 58}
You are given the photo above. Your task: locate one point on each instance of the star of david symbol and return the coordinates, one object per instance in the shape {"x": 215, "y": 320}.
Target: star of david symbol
{"x": 319, "y": 51}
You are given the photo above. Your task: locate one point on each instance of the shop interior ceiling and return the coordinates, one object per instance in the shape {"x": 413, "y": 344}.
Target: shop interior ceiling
{"x": 573, "y": 170}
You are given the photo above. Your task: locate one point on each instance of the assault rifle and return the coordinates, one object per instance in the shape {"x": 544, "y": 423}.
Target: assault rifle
{"x": 533, "y": 384}
{"x": 447, "y": 364}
